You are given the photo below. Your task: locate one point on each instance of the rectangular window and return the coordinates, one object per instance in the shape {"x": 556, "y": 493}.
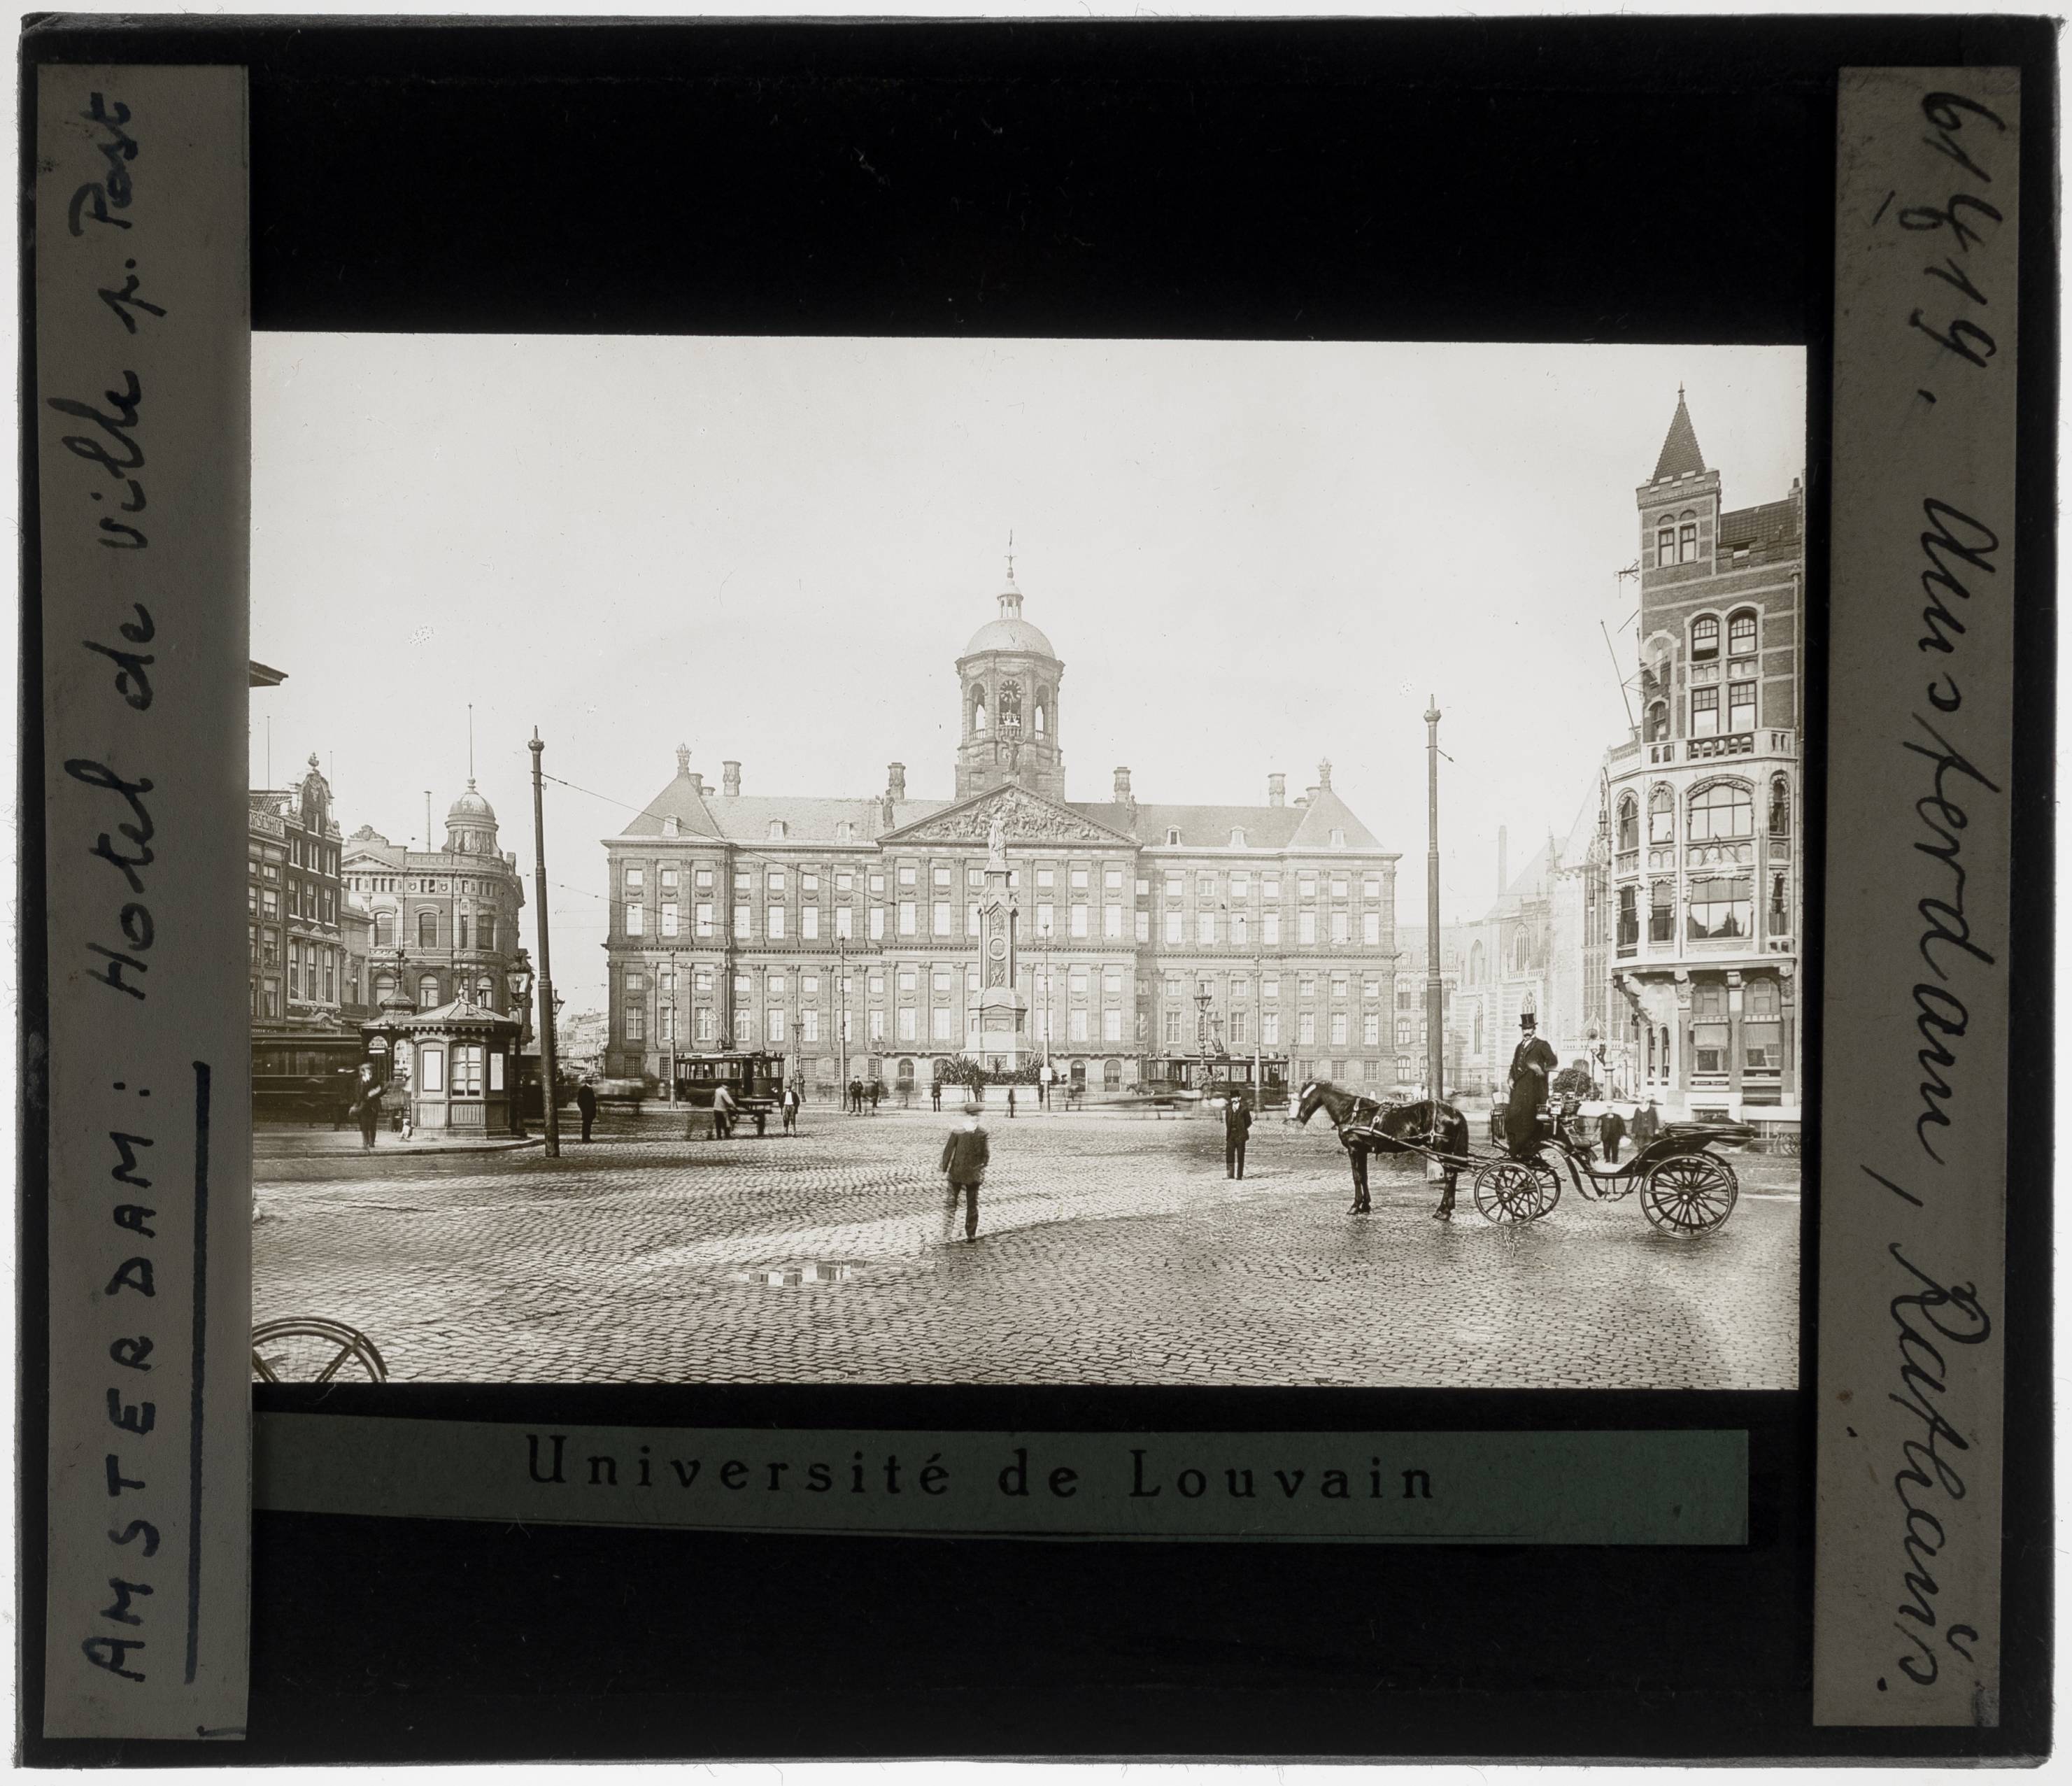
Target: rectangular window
{"x": 941, "y": 877}
{"x": 809, "y": 922}
{"x": 1708, "y": 1048}
{"x": 1080, "y": 876}
{"x": 1241, "y": 884}
{"x": 774, "y": 916}
{"x": 877, "y": 923}
{"x": 877, "y": 1026}
{"x": 1173, "y": 921}
{"x": 1340, "y": 931}
{"x": 1240, "y": 928}
{"x": 668, "y": 918}
{"x": 1044, "y": 878}
{"x": 1720, "y": 907}
{"x": 1079, "y": 920}
{"x": 773, "y": 881}
{"x": 1204, "y": 927}
{"x": 1269, "y": 928}
{"x": 907, "y": 1023}
{"x": 702, "y": 1025}
{"x": 809, "y": 1025}
{"x": 942, "y": 918}
{"x": 702, "y": 918}
{"x": 1704, "y": 713}
{"x": 878, "y": 884}
{"x": 1110, "y": 1025}
{"x": 743, "y": 921}
{"x": 1339, "y": 1028}
{"x": 845, "y": 923}
{"x": 636, "y": 880}
{"x": 844, "y": 882}
{"x": 809, "y": 880}
{"x": 1112, "y": 922}
{"x": 1306, "y": 885}
{"x": 432, "y": 1065}
{"x": 635, "y": 917}
{"x": 744, "y": 882}
{"x": 1370, "y": 1030}
{"x": 744, "y": 1028}
{"x": 1763, "y": 1044}
{"x": 1371, "y": 928}
{"x": 905, "y": 917}
{"x": 702, "y": 878}
{"x": 906, "y": 874}
{"x": 1307, "y": 1032}
{"x": 1307, "y": 932}
{"x": 1269, "y": 887}
{"x": 1740, "y": 706}
{"x": 940, "y": 1027}
{"x": 1077, "y": 1031}
{"x": 636, "y": 1016}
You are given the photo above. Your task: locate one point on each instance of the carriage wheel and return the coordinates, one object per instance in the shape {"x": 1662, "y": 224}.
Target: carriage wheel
{"x": 1511, "y": 1191}
{"x": 1693, "y": 1194}
{"x": 309, "y": 1349}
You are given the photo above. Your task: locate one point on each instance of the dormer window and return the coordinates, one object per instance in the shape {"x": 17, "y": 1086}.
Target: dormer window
{"x": 1172, "y": 834}
{"x": 671, "y": 825}
{"x": 845, "y": 831}
{"x": 1337, "y": 839}
{"x": 1237, "y": 837}
{"x": 776, "y": 829}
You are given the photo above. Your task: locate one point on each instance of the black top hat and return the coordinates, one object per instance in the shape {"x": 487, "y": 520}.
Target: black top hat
{"x": 1527, "y": 1020}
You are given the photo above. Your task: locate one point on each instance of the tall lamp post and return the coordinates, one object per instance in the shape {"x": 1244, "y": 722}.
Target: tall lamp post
{"x": 549, "y": 1005}
{"x": 1204, "y": 998}
{"x": 1435, "y": 1006}
{"x": 841, "y": 1029}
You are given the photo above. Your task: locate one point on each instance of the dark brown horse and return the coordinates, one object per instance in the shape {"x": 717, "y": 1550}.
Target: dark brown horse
{"x": 1366, "y": 1126}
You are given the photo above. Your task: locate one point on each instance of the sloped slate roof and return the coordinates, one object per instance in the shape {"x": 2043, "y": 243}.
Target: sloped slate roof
{"x": 744, "y": 818}
{"x": 1680, "y": 447}
{"x": 1768, "y": 527}
{"x": 1264, "y": 827}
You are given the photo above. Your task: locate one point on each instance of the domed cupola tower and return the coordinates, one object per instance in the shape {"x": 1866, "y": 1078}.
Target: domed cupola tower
{"x": 1007, "y": 684}
{"x": 471, "y": 824}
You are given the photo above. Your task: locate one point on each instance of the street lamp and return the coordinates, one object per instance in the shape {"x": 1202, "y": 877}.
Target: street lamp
{"x": 518, "y": 981}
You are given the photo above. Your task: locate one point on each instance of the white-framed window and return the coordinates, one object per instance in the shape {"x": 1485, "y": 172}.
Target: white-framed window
{"x": 1269, "y": 1027}
{"x": 1306, "y": 932}
{"x": 1741, "y": 633}
{"x": 774, "y": 916}
{"x": 744, "y": 921}
{"x": 877, "y": 923}
{"x": 1337, "y": 838}
{"x": 1704, "y": 638}
{"x": 773, "y": 1023}
{"x": 1110, "y": 1025}
{"x": 940, "y": 917}
{"x": 1112, "y": 879}
{"x": 1112, "y": 922}
{"x": 1078, "y": 1032}
{"x": 1078, "y": 980}
{"x": 1706, "y": 713}
{"x": 809, "y": 1025}
{"x": 636, "y": 918}
{"x": 905, "y": 917}
{"x": 1079, "y": 920}
{"x": 876, "y": 1028}
{"x": 636, "y": 880}
{"x": 1173, "y": 921}
{"x": 1240, "y": 924}
{"x": 668, "y": 917}
{"x": 1144, "y": 927}
{"x": 1341, "y": 927}
{"x": 1237, "y": 836}
{"x": 1371, "y": 928}
{"x": 906, "y": 1023}
{"x": 773, "y": 882}
{"x": 906, "y": 874}
{"x": 702, "y": 879}
{"x": 431, "y": 1069}
{"x": 1339, "y": 1028}
{"x": 1269, "y": 928}
{"x": 1740, "y": 706}
{"x": 845, "y": 923}
{"x": 940, "y": 875}
{"x": 1204, "y": 927}
{"x": 1079, "y": 874}
{"x": 939, "y": 1024}
{"x": 809, "y": 922}
{"x": 744, "y": 1027}
{"x": 776, "y": 829}
{"x": 1370, "y": 1030}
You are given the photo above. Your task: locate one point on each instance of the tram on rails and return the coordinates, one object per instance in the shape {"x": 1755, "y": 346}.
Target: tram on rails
{"x": 304, "y": 1078}
{"x": 1188, "y": 1078}
{"x": 756, "y": 1081}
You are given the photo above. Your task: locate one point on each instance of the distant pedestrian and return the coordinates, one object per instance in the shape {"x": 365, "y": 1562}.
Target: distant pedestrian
{"x": 877, "y": 1091}
{"x": 936, "y": 1094}
{"x": 1611, "y": 1131}
{"x": 1237, "y": 1130}
{"x": 723, "y": 1108}
{"x": 1010, "y": 1103}
{"x": 855, "y": 1095}
{"x": 587, "y": 1105}
{"x": 367, "y": 1107}
{"x": 966, "y": 1153}
{"x": 1646, "y": 1125}
{"x": 791, "y": 1102}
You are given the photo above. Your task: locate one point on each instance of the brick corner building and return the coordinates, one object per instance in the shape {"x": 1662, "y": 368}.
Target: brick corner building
{"x": 823, "y": 927}
{"x": 1701, "y": 802}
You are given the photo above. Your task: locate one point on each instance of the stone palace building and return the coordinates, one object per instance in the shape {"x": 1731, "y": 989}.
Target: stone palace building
{"x": 1702, "y": 802}
{"x": 1008, "y": 924}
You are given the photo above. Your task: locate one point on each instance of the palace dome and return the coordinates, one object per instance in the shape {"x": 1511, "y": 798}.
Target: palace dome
{"x": 471, "y": 805}
{"x": 1009, "y": 632}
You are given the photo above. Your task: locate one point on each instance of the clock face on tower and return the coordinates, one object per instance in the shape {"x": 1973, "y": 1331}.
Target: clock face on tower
{"x": 997, "y": 947}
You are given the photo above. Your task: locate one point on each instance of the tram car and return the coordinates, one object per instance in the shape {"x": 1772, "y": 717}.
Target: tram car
{"x": 304, "y": 1078}
{"x": 1189, "y": 1079}
{"x": 756, "y": 1080}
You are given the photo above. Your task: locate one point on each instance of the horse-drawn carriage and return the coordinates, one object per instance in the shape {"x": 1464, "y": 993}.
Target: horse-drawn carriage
{"x": 1685, "y": 1186}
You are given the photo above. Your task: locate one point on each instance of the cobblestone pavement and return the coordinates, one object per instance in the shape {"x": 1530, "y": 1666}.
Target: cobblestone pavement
{"x": 1110, "y": 1250}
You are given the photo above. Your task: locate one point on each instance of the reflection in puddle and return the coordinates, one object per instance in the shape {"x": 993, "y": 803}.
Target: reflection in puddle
{"x": 796, "y": 1277}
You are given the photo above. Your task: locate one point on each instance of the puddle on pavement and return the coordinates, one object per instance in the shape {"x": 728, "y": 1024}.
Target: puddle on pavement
{"x": 799, "y": 1277}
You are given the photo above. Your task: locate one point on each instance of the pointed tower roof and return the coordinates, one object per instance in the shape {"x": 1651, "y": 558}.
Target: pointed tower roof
{"x": 1680, "y": 449}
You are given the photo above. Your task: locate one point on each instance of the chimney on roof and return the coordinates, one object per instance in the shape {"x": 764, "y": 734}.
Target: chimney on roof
{"x": 697, "y": 783}
{"x": 683, "y": 760}
{"x": 895, "y": 781}
{"x": 1323, "y": 776}
{"x": 729, "y": 772}
{"x": 1123, "y": 796}
{"x": 1502, "y": 859}
{"x": 1276, "y": 790}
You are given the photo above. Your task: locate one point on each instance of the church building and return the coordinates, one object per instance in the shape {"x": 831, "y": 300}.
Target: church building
{"x": 1009, "y": 923}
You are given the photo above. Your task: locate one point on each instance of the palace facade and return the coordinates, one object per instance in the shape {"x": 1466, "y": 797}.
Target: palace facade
{"x": 1701, "y": 804}
{"x": 873, "y": 937}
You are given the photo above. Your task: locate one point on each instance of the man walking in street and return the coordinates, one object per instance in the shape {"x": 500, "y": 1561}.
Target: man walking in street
{"x": 790, "y": 1109}
{"x": 1010, "y": 1103}
{"x": 1237, "y": 1130}
{"x": 722, "y": 1113}
{"x": 367, "y": 1107}
{"x": 936, "y": 1094}
{"x": 856, "y": 1096}
{"x": 965, "y": 1156}
{"x": 587, "y": 1105}
{"x": 877, "y": 1091}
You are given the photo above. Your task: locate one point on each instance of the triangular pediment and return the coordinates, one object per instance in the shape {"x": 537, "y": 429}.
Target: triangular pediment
{"x": 1027, "y": 818}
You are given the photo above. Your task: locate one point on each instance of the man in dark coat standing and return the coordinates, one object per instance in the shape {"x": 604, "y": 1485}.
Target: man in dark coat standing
{"x": 587, "y": 1105}
{"x": 966, "y": 1155}
{"x": 1530, "y": 1062}
{"x": 1611, "y": 1131}
{"x": 1646, "y": 1124}
{"x": 367, "y": 1106}
{"x": 1237, "y": 1130}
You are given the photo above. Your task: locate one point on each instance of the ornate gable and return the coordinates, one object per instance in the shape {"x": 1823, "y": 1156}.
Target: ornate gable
{"x": 1028, "y": 818}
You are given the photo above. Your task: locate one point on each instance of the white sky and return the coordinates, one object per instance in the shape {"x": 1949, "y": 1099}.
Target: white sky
{"x": 1248, "y": 555}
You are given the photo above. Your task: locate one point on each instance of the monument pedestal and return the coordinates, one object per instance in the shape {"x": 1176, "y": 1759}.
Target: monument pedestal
{"x": 1003, "y": 1030}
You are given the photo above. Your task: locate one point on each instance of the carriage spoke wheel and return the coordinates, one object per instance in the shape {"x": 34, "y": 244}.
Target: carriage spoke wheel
{"x": 1692, "y": 1195}
{"x": 309, "y": 1349}
{"x": 1511, "y": 1191}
